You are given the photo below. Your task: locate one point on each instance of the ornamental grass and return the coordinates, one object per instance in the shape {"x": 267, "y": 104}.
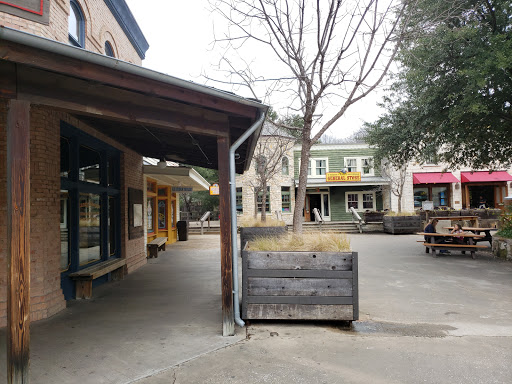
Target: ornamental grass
{"x": 252, "y": 222}
{"x": 312, "y": 242}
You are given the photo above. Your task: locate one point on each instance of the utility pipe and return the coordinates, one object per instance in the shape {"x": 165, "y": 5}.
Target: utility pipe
{"x": 232, "y": 190}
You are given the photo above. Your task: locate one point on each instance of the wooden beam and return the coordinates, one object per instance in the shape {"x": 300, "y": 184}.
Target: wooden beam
{"x": 226, "y": 265}
{"x": 78, "y": 68}
{"x": 91, "y": 99}
{"x": 7, "y": 80}
{"x": 18, "y": 241}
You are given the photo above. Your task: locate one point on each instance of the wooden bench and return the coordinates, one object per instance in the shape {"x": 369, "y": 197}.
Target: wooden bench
{"x": 454, "y": 247}
{"x": 83, "y": 278}
{"x": 155, "y": 245}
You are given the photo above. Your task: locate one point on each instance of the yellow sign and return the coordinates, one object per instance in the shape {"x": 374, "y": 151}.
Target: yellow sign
{"x": 340, "y": 176}
{"x": 214, "y": 189}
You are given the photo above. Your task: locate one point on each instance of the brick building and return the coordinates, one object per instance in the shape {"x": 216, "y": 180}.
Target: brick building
{"x": 87, "y": 120}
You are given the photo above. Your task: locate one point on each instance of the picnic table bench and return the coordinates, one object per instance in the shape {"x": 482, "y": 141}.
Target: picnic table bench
{"x": 434, "y": 242}
{"x": 155, "y": 245}
{"x": 476, "y": 230}
{"x": 472, "y": 219}
{"x": 84, "y": 277}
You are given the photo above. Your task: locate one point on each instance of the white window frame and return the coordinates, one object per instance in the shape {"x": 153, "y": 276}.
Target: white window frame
{"x": 360, "y": 200}
{"x": 312, "y": 165}
{"x": 359, "y": 164}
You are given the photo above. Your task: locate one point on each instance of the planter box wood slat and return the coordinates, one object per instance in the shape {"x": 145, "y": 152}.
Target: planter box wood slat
{"x": 402, "y": 224}
{"x": 300, "y": 312}
{"x": 300, "y": 285}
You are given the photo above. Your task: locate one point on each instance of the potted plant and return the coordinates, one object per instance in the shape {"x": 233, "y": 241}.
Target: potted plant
{"x": 502, "y": 240}
{"x": 306, "y": 277}
{"x": 251, "y": 229}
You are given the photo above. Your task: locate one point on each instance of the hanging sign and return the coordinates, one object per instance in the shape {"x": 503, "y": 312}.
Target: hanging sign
{"x": 340, "y": 176}
{"x": 214, "y": 189}
{"x": 181, "y": 189}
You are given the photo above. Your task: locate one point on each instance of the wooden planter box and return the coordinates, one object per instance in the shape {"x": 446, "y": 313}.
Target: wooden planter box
{"x": 300, "y": 285}
{"x": 250, "y": 233}
{"x": 402, "y": 224}
{"x": 373, "y": 217}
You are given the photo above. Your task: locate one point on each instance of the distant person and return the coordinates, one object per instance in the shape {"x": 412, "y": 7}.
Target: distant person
{"x": 482, "y": 202}
{"x": 431, "y": 228}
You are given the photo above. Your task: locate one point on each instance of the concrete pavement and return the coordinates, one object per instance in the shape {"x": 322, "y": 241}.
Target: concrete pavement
{"x": 422, "y": 320}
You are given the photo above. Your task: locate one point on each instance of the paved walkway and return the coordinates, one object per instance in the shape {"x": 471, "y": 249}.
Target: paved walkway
{"x": 422, "y": 320}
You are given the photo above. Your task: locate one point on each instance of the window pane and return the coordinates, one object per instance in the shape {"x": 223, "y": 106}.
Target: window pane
{"x": 112, "y": 208}
{"x": 162, "y": 191}
{"x": 260, "y": 200}
{"x": 285, "y": 166}
{"x": 351, "y": 165}
{"x": 112, "y": 171}
{"x": 366, "y": 166}
{"x": 90, "y": 210}
{"x": 321, "y": 167}
{"x": 353, "y": 200}
{"x": 239, "y": 200}
{"x": 74, "y": 24}
{"x": 64, "y": 231}
{"x": 440, "y": 196}
{"x": 162, "y": 214}
{"x": 64, "y": 157}
{"x": 285, "y": 199}
{"x": 420, "y": 195}
{"x": 150, "y": 209}
{"x": 309, "y": 168}
{"x": 109, "y": 51}
{"x": 89, "y": 165}
{"x": 367, "y": 200}
{"x": 326, "y": 204}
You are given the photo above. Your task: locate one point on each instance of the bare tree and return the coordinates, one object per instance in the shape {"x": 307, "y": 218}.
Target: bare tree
{"x": 330, "y": 54}
{"x": 272, "y": 146}
{"x": 396, "y": 179}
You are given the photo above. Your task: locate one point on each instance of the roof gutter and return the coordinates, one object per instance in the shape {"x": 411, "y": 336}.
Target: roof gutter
{"x": 63, "y": 49}
{"x": 232, "y": 189}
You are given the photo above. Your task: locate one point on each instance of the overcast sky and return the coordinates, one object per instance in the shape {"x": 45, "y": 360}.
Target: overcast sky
{"x": 180, "y": 35}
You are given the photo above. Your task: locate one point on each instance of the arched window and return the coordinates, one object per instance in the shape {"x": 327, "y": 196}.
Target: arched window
{"x": 109, "y": 51}
{"x": 76, "y": 25}
{"x": 285, "y": 165}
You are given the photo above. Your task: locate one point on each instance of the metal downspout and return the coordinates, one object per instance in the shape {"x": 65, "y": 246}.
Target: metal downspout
{"x": 232, "y": 190}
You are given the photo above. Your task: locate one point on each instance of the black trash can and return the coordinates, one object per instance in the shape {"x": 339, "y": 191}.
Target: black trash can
{"x": 182, "y": 230}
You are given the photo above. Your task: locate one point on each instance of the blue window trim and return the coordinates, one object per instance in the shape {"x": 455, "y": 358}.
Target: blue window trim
{"x": 81, "y": 25}
{"x": 74, "y": 187}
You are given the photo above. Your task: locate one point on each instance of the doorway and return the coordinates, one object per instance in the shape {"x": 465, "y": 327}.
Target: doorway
{"x": 319, "y": 200}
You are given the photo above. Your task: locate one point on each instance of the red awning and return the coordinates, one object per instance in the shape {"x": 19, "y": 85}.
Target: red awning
{"x": 433, "y": 178}
{"x": 484, "y": 176}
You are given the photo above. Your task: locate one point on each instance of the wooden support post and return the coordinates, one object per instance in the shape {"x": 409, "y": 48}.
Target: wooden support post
{"x": 226, "y": 265}
{"x": 18, "y": 241}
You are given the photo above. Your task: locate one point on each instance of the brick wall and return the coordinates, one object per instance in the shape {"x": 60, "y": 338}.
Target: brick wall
{"x": 100, "y": 26}
{"x": 46, "y": 294}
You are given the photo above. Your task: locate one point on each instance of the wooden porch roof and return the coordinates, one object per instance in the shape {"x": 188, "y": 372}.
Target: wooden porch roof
{"x": 154, "y": 114}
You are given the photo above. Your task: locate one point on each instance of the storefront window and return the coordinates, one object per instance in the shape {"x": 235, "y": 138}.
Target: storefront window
{"x": 162, "y": 214}
{"x": 64, "y": 231}
{"x": 112, "y": 222}
{"x": 89, "y": 167}
{"x": 150, "y": 210}
{"x": 64, "y": 157}
{"x": 420, "y": 195}
{"x": 285, "y": 199}
{"x": 90, "y": 235}
{"x": 440, "y": 196}
{"x": 353, "y": 200}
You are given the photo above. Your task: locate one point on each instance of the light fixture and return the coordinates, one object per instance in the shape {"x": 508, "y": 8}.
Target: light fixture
{"x": 162, "y": 164}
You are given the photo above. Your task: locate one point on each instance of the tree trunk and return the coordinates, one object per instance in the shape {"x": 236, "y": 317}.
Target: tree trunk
{"x": 264, "y": 201}
{"x": 256, "y": 191}
{"x": 301, "y": 191}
